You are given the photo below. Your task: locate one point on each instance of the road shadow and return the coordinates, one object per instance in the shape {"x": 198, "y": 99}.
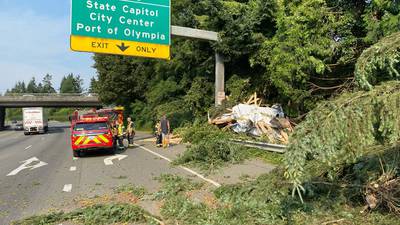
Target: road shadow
{"x": 56, "y": 130}
{"x": 97, "y": 153}
{"x": 143, "y": 138}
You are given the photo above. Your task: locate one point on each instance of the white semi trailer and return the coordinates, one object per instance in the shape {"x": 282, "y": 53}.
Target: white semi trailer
{"x": 35, "y": 121}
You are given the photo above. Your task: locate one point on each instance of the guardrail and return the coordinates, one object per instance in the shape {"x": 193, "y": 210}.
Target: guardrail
{"x": 261, "y": 145}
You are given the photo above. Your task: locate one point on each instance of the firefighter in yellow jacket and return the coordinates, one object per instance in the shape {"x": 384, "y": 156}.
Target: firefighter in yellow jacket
{"x": 118, "y": 133}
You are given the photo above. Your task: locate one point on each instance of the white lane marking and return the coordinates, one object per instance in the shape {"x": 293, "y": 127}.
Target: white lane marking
{"x": 67, "y": 188}
{"x": 73, "y": 168}
{"x": 25, "y": 165}
{"x": 30, "y": 146}
{"x": 182, "y": 167}
{"x": 108, "y": 161}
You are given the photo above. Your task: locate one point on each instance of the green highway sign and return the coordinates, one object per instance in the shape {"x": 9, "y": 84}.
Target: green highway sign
{"x": 144, "y": 21}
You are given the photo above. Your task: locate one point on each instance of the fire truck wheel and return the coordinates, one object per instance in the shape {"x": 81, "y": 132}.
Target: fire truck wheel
{"x": 77, "y": 153}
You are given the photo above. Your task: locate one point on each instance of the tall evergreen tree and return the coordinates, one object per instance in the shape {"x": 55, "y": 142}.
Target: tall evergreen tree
{"x": 71, "y": 84}
{"x": 32, "y": 86}
{"x": 47, "y": 84}
{"x": 92, "y": 87}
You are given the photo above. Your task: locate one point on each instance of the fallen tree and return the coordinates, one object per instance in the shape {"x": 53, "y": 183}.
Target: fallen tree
{"x": 380, "y": 62}
{"x": 340, "y": 132}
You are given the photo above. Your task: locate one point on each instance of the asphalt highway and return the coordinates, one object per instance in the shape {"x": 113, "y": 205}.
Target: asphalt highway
{"x": 38, "y": 173}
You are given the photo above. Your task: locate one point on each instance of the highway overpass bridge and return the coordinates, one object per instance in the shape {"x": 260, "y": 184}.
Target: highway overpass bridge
{"x": 47, "y": 100}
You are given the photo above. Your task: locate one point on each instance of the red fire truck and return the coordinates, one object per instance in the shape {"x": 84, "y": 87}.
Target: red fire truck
{"x": 91, "y": 134}
{"x": 92, "y": 130}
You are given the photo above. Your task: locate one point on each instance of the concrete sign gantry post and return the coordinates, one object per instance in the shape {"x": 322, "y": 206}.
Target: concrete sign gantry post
{"x": 219, "y": 61}
{"x": 123, "y": 27}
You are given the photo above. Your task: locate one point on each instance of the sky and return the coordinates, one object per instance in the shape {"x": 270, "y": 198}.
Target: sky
{"x": 34, "y": 41}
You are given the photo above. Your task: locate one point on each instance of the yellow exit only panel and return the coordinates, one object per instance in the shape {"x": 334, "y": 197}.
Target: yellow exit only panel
{"x": 110, "y": 46}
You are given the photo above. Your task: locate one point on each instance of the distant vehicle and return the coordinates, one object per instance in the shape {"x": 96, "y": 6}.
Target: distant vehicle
{"x": 91, "y": 133}
{"x": 28, "y": 96}
{"x": 35, "y": 121}
{"x": 19, "y": 126}
{"x": 14, "y": 122}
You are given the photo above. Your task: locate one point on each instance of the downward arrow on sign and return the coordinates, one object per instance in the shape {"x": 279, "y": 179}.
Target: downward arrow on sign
{"x": 108, "y": 161}
{"x": 122, "y": 47}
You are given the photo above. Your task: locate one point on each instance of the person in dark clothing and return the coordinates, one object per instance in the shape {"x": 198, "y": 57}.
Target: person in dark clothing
{"x": 165, "y": 130}
{"x": 158, "y": 134}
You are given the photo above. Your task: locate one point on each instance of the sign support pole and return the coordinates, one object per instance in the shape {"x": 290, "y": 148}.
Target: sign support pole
{"x": 219, "y": 60}
{"x": 219, "y": 79}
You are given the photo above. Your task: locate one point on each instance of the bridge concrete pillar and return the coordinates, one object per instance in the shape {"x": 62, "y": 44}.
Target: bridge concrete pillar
{"x": 219, "y": 79}
{"x": 2, "y": 117}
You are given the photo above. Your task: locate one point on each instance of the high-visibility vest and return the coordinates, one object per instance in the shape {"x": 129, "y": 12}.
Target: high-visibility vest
{"x": 120, "y": 130}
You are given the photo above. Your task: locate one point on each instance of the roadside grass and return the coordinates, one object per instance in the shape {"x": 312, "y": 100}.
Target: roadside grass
{"x": 266, "y": 200}
{"x": 97, "y": 214}
{"x": 139, "y": 192}
{"x": 119, "y": 207}
{"x": 173, "y": 185}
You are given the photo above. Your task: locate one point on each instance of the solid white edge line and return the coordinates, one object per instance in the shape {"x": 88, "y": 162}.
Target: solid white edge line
{"x": 67, "y": 188}
{"x": 182, "y": 167}
{"x": 30, "y": 146}
{"x": 201, "y": 176}
{"x": 72, "y": 168}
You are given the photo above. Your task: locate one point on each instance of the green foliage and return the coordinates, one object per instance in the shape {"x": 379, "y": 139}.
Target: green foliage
{"x": 212, "y": 153}
{"x": 14, "y": 114}
{"x": 19, "y": 87}
{"x": 340, "y": 131}
{"x": 41, "y": 220}
{"x": 380, "y": 62}
{"x": 257, "y": 202}
{"x": 199, "y": 95}
{"x": 32, "y": 87}
{"x": 198, "y": 132}
{"x": 211, "y": 149}
{"x": 237, "y": 88}
{"x": 108, "y": 214}
{"x": 310, "y": 37}
{"x": 382, "y": 18}
{"x": 267, "y": 200}
{"x": 93, "y": 85}
{"x": 139, "y": 192}
{"x": 173, "y": 185}
{"x": 47, "y": 85}
{"x": 71, "y": 84}
{"x": 60, "y": 114}
{"x": 97, "y": 214}
{"x": 142, "y": 115}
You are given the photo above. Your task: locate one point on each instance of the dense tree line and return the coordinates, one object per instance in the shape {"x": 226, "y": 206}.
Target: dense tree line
{"x": 69, "y": 84}
{"x": 295, "y": 52}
